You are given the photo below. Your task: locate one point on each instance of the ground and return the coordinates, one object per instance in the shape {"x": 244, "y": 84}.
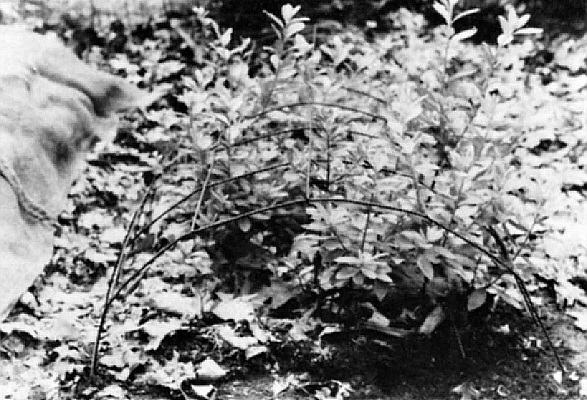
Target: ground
{"x": 513, "y": 365}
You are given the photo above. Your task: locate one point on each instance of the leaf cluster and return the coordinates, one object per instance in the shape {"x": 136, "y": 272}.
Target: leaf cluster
{"x": 364, "y": 177}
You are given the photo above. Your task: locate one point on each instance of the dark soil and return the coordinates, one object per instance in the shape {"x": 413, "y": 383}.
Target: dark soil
{"x": 497, "y": 364}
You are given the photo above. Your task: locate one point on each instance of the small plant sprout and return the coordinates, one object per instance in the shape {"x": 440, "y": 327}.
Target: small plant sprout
{"x": 283, "y": 52}
{"x": 364, "y": 265}
{"x": 286, "y": 29}
{"x": 289, "y": 25}
{"x": 512, "y": 25}
{"x": 446, "y": 9}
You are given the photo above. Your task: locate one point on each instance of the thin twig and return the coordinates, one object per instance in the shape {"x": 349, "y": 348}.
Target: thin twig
{"x": 526, "y": 295}
{"x": 314, "y": 104}
{"x": 501, "y": 262}
{"x": 297, "y": 202}
{"x": 198, "y": 189}
{"x": 203, "y": 189}
{"x": 363, "y": 93}
{"x": 366, "y": 228}
{"x": 114, "y": 280}
{"x": 245, "y": 142}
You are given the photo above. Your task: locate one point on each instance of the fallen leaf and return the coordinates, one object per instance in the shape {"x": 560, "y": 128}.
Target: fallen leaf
{"x": 378, "y": 319}
{"x": 435, "y": 318}
{"x": 157, "y": 331}
{"x": 583, "y": 387}
{"x": 467, "y": 391}
{"x": 254, "y": 351}
{"x": 580, "y": 317}
{"x": 210, "y": 371}
{"x": 112, "y": 392}
{"x": 176, "y": 303}
{"x": 558, "y": 377}
{"x": 236, "y": 309}
{"x": 231, "y": 337}
{"x": 203, "y": 392}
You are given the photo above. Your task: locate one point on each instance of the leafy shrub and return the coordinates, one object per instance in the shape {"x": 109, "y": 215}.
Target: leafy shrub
{"x": 365, "y": 176}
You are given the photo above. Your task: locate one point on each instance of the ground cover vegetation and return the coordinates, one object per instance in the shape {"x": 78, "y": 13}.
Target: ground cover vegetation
{"x": 344, "y": 213}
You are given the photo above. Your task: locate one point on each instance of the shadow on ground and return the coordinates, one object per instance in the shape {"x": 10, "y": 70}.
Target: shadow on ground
{"x": 506, "y": 357}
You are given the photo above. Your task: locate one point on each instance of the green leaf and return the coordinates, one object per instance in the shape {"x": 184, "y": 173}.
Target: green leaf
{"x": 244, "y": 224}
{"x": 277, "y": 21}
{"x": 348, "y": 260}
{"x": 288, "y": 12}
{"x": 442, "y": 10}
{"x": 346, "y": 272}
{"x": 384, "y": 278}
{"x": 465, "y": 13}
{"x": 523, "y": 20}
{"x": 294, "y": 28}
{"x": 464, "y": 35}
{"x": 435, "y": 318}
{"x": 426, "y": 267}
{"x": 359, "y": 279}
{"x": 369, "y": 273}
{"x": 476, "y": 299}
{"x": 529, "y": 31}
